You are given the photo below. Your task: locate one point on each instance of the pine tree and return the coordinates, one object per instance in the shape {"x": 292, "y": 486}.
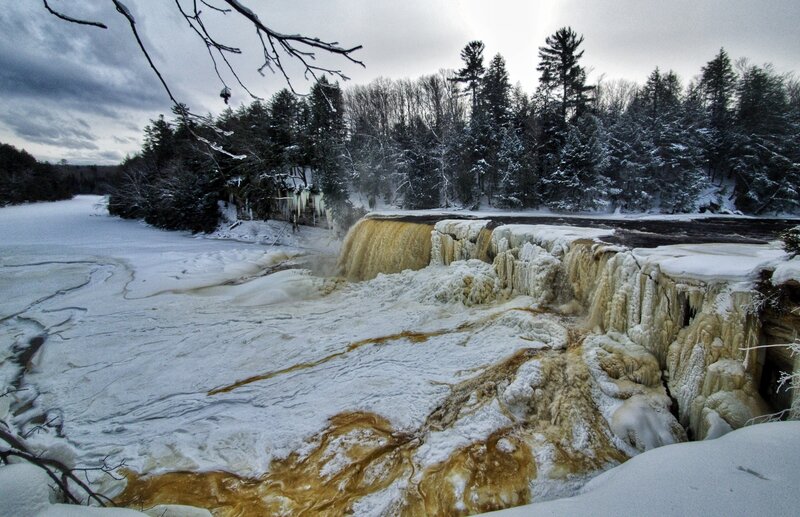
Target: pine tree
{"x": 327, "y": 133}
{"x": 497, "y": 92}
{"x": 494, "y": 119}
{"x": 561, "y": 75}
{"x": 631, "y": 148}
{"x": 562, "y": 96}
{"x": 718, "y": 84}
{"x": 765, "y": 156}
{"x": 511, "y": 168}
{"x": 579, "y": 182}
{"x": 472, "y": 72}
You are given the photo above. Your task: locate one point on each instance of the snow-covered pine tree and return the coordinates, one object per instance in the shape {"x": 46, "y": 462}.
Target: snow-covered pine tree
{"x": 580, "y": 180}
{"x": 680, "y": 149}
{"x": 327, "y": 133}
{"x": 631, "y": 146}
{"x": 511, "y": 169}
{"x": 493, "y": 119}
{"x": 718, "y": 87}
{"x": 765, "y": 156}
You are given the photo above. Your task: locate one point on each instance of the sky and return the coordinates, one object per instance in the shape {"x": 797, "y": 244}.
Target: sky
{"x": 85, "y": 94}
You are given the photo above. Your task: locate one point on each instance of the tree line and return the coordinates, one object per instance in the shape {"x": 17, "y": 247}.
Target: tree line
{"x": 23, "y": 179}
{"x": 468, "y": 138}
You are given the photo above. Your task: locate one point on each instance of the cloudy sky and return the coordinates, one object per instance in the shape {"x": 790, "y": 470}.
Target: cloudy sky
{"x": 85, "y": 94}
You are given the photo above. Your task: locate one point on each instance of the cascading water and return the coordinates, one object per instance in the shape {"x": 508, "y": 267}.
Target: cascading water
{"x": 374, "y": 246}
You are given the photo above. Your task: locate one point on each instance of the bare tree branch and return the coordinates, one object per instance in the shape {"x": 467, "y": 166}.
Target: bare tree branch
{"x": 71, "y": 19}
{"x": 60, "y": 473}
{"x": 273, "y": 43}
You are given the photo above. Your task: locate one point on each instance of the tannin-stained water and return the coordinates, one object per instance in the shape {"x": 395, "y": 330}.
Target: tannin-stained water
{"x": 373, "y": 247}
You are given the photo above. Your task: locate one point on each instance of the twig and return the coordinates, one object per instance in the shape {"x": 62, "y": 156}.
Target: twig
{"x": 71, "y": 19}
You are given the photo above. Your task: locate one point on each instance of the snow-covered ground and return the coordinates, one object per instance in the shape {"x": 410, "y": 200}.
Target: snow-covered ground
{"x": 174, "y": 352}
{"x": 751, "y": 471}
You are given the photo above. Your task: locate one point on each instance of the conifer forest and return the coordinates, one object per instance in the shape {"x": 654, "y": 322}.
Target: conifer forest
{"x": 726, "y": 140}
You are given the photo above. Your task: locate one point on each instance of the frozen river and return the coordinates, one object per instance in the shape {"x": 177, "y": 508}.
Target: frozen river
{"x": 249, "y": 379}
{"x": 176, "y": 353}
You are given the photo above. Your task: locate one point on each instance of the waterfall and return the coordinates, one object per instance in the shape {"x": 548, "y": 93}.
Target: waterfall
{"x": 698, "y": 330}
{"x": 381, "y": 246}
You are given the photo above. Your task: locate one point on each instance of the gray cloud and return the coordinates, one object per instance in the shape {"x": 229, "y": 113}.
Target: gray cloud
{"x": 45, "y": 127}
{"x": 112, "y": 156}
{"x": 83, "y": 68}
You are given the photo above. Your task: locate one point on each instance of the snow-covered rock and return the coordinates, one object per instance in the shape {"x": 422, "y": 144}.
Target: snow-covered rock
{"x": 751, "y": 471}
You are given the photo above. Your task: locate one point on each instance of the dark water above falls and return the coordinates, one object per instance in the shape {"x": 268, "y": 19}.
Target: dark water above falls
{"x": 637, "y": 233}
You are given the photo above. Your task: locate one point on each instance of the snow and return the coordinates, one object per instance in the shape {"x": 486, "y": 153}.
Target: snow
{"x": 473, "y": 427}
{"x": 555, "y": 239}
{"x": 487, "y": 212}
{"x": 787, "y": 271}
{"x": 750, "y": 471}
{"x": 24, "y": 490}
{"x": 461, "y": 229}
{"x": 728, "y": 262}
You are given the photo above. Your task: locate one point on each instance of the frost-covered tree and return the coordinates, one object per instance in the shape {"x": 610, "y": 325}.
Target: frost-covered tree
{"x": 497, "y": 92}
{"x": 580, "y": 181}
{"x": 511, "y": 170}
{"x": 630, "y": 146}
{"x": 765, "y": 158}
{"x": 416, "y": 167}
{"x": 718, "y": 85}
{"x": 562, "y": 95}
{"x": 326, "y": 131}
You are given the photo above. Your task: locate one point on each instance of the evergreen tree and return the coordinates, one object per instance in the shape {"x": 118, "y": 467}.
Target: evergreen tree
{"x": 718, "y": 84}
{"x": 511, "y": 168}
{"x": 765, "y": 156}
{"x": 562, "y": 95}
{"x": 631, "y": 147}
{"x": 23, "y": 179}
{"x": 579, "y": 182}
{"x": 497, "y": 92}
{"x": 472, "y": 72}
{"x": 282, "y": 135}
{"x": 327, "y": 133}
{"x": 417, "y": 167}
{"x": 494, "y": 118}
{"x": 561, "y": 75}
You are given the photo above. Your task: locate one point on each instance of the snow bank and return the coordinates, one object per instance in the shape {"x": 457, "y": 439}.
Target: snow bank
{"x": 751, "y": 471}
{"x": 555, "y": 239}
{"x": 461, "y": 229}
{"x": 720, "y": 262}
{"x": 24, "y": 490}
{"x": 787, "y": 271}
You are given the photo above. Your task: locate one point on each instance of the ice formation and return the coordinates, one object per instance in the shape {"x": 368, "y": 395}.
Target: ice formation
{"x": 701, "y": 327}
